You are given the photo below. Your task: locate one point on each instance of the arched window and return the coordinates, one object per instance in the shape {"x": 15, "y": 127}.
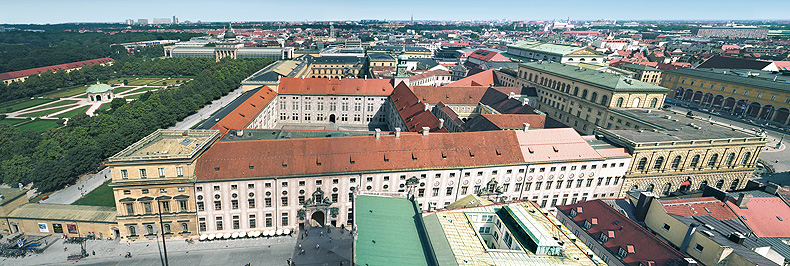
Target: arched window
{"x": 676, "y": 162}
{"x": 712, "y": 161}
{"x": 132, "y": 230}
{"x": 667, "y": 188}
{"x": 734, "y": 184}
{"x": 746, "y": 157}
{"x": 167, "y": 228}
{"x": 636, "y": 103}
{"x": 659, "y": 163}
{"x": 584, "y": 94}
{"x": 720, "y": 183}
{"x": 620, "y": 102}
{"x": 694, "y": 161}
{"x": 149, "y": 229}
{"x": 594, "y": 97}
{"x": 530, "y": 76}
{"x": 653, "y": 102}
{"x": 703, "y": 184}
{"x": 576, "y": 91}
{"x": 604, "y": 100}
{"x": 730, "y": 159}
{"x": 641, "y": 165}
{"x": 650, "y": 188}
{"x": 184, "y": 227}
{"x": 541, "y": 80}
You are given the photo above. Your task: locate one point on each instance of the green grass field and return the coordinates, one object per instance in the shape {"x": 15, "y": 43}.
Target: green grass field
{"x": 138, "y": 82}
{"x": 20, "y": 104}
{"x": 133, "y": 97}
{"x": 169, "y": 82}
{"x": 46, "y": 112}
{"x": 74, "y": 112}
{"x": 60, "y": 103}
{"x": 121, "y": 89}
{"x": 104, "y": 106}
{"x": 66, "y": 93}
{"x": 39, "y": 125}
{"x": 101, "y": 196}
{"x": 12, "y": 121}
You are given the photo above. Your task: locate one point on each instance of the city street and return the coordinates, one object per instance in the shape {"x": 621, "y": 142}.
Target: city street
{"x": 257, "y": 251}
{"x": 74, "y": 192}
{"x": 206, "y": 111}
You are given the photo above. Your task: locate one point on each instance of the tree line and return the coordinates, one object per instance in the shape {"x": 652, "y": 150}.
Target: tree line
{"x": 23, "y": 49}
{"x": 58, "y": 156}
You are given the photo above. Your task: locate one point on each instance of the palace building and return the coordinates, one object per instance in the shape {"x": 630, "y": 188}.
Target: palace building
{"x": 757, "y": 94}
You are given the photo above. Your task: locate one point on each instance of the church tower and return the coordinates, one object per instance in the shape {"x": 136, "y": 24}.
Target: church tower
{"x": 401, "y": 75}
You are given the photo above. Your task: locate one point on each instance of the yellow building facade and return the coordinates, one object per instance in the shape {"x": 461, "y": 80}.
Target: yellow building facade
{"x": 154, "y": 177}
{"x": 756, "y": 94}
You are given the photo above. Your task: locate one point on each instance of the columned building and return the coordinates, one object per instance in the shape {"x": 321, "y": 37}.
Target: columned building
{"x": 582, "y": 98}
{"x": 756, "y": 94}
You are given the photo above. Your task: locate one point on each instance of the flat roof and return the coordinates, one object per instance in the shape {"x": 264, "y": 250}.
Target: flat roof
{"x": 757, "y": 79}
{"x": 167, "y": 144}
{"x": 672, "y": 126}
{"x": 387, "y": 232}
{"x": 60, "y": 212}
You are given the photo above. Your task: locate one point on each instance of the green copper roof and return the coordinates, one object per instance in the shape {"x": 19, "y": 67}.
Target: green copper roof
{"x": 387, "y": 232}
{"x": 608, "y": 81}
{"x": 98, "y": 88}
{"x": 548, "y": 48}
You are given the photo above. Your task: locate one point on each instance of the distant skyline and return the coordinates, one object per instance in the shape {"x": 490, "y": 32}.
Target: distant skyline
{"x": 58, "y": 11}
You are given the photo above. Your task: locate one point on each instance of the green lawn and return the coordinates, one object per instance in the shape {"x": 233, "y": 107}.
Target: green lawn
{"x": 39, "y": 125}
{"x": 101, "y": 196}
{"x": 12, "y": 121}
{"x": 169, "y": 82}
{"x": 46, "y": 112}
{"x": 121, "y": 89}
{"x": 104, "y": 106}
{"x": 66, "y": 93}
{"x": 60, "y": 103}
{"x": 136, "y": 96}
{"x": 138, "y": 82}
{"x": 74, "y": 112}
{"x": 146, "y": 89}
{"x": 20, "y": 104}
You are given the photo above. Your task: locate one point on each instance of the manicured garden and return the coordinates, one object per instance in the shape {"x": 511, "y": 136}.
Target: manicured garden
{"x": 101, "y": 196}
{"x": 74, "y": 112}
{"x": 39, "y": 125}
{"x": 140, "y": 82}
{"x": 16, "y": 105}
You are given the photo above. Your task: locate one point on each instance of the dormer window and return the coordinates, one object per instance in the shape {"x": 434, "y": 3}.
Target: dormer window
{"x": 622, "y": 252}
{"x": 603, "y": 237}
{"x": 573, "y": 213}
{"x": 587, "y": 224}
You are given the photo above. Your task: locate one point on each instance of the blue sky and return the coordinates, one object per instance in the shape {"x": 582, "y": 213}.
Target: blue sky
{"x": 60, "y": 11}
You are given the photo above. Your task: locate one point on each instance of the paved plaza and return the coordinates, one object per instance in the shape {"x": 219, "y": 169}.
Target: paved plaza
{"x": 256, "y": 251}
{"x": 333, "y": 247}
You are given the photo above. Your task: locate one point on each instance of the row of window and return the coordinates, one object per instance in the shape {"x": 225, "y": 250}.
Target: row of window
{"x": 146, "y": 191}
{"x": 712, "y": 161}
{"x": 734, "y": 90}
{"x": 236, "y": 222}
{"x": 164, "y": 207}
{"x": 144, "y": 172}
{"x": 668, "y": 186}
{"x": 149, "y": 229}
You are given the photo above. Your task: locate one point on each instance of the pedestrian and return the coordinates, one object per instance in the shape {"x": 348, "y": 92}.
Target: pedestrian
{"x": 317, "y": 246}
{"x": 300, "y": 246}
{"x": 777, "y": 161}
{"x": 94, "y": 253}
{"x": 65, "y": 248}
{"x": 321, "y": 235}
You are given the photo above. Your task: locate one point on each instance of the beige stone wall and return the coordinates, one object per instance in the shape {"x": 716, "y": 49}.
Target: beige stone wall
{"x": 30, "y": 226}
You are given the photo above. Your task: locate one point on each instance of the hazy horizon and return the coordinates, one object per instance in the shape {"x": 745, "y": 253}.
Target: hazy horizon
{"x": 97, "y": 11}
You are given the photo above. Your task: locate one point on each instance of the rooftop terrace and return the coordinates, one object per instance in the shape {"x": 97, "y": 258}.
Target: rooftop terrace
{"x": 672, "y": 126}
{"x": 168, "y": 144}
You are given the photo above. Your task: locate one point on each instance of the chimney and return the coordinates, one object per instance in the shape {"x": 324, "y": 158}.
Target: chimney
{"x": 771, "y": 188}
{"x": 427, "y": 107}
{"x": 688, "y": 262}
{"x": 687, "y": 238}
{"x": 441, "y": 123}
{"x": 524, "y": 101}
{"x": 511, "y": 95}
{"x": 643, "y": 203}
{"x": 743, "y": 200}
{"x": 397, "y": 132}
{"x": 425, "y": 131}
{"x": 526, "y": 127}
{"x": 378, "y": 133}
{"x": 240, "y": 133}
{"x": 737, "y": 237}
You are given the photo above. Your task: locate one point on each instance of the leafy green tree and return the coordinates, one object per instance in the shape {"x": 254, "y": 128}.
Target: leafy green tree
{"x": 16, "y": 169}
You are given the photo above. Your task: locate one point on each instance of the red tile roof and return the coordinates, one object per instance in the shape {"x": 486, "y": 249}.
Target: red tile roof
{"x": 556, "y": 144}
{"x": 516, "y": 121}
{"x": 39, "y": 70}
{"x": 450, "y": 95}
{"x": 286, "y": 157}
{"x": 322, "y": 86}
{"x": 627, "y": 234}
{"x": 488, "y": 56}
{"x": 412, "y": 110}
{"x": 698, "y": 206}
{"x": 244, "y": 114}
{"x": 485, "y": 78}
{"x": 763, "y": 215}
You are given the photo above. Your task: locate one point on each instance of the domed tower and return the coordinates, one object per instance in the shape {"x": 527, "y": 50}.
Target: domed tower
{"x": 99, "y": 93}
{"x": 401, "y": 75}
{"x": 228, "y": 47}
